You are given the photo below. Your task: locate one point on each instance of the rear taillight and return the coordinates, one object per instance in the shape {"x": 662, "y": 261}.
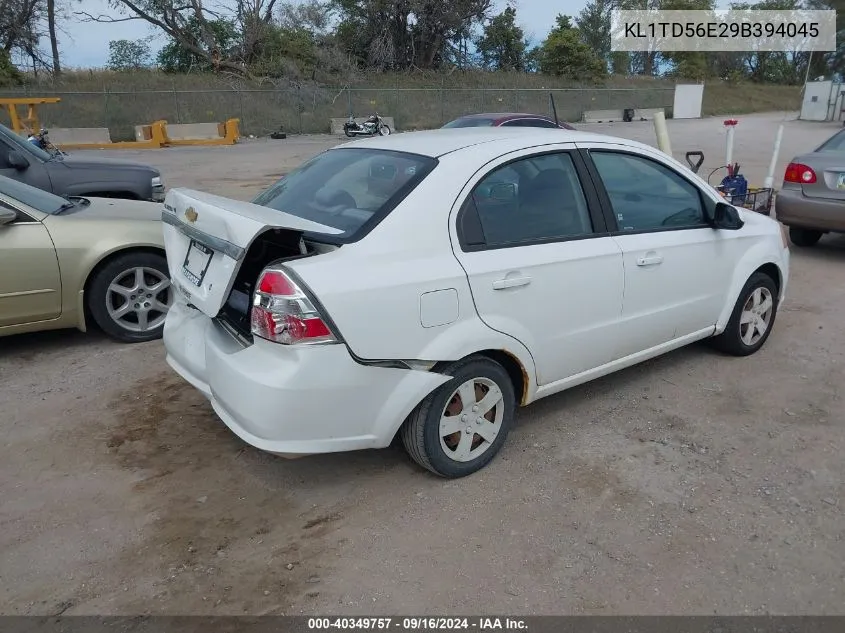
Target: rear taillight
{"x": 283, "y": 313}
{"x": 800, "y": 173}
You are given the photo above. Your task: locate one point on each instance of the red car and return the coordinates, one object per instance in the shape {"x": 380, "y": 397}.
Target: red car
{"x": 509, "y": 119}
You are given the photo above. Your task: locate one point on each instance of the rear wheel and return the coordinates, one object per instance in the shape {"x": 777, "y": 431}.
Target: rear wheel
{"x": 804, "y": 237}
{"x": 459, "y": 428}
{"x": 129, "y": 297}
{"x": 752, "y": 319}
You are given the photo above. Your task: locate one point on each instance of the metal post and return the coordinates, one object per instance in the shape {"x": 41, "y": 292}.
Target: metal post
{"x": 176, "y": 102}
{"x": 105, "y": 106}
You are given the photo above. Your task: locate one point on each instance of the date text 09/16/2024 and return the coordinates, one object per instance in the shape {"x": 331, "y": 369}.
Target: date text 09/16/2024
{"x": 419, "y": 624}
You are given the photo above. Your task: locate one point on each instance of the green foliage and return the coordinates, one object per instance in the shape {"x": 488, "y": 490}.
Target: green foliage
{"x": 9, "y": 74}
{"x": 564, "y": 54}
{"x": 126, "y": 55}
{"x": 176, "y": 58}
{"x": 502, "y": 44}
{"x": 594, "y": 26}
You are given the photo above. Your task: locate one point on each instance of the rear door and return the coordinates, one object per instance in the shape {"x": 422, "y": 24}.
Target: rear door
{"x": 677, "y": 267}
{"x": 541, "y": 266}
{"x": 30, "y": 285}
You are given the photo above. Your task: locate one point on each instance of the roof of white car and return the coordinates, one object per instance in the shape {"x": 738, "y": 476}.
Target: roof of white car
{"x": 438, "y": 142}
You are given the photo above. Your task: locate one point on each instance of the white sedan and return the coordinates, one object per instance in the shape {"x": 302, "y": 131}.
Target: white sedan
{"x": 428, "y": 283}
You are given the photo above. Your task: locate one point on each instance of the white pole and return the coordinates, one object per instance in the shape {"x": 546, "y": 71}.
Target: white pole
{"x": 729, "y": 149}
{"x": 770, "y": 175}
{"x": 662, "y": 133}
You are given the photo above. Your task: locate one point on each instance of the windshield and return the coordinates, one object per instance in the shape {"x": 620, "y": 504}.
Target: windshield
{"x": 470, "y": 122}
{"x": 36, "y": 198}
{"x": 348, "y": 189}
{"x": 23, "y": 145}
{"x": 835, "y": 143}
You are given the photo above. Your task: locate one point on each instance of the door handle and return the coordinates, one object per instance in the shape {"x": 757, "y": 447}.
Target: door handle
{"x": 511, "y": 282}
{"x": 652, "y": 260}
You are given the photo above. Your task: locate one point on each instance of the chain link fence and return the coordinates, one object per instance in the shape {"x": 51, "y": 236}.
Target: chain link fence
{"x": 308, "y": 109}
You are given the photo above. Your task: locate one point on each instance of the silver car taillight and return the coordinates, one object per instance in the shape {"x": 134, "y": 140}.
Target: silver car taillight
{"x": 283, "y": 313}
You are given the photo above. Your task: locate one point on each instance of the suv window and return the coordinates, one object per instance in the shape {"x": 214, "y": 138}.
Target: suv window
{"x": 646, "y": 195}
{"x": 532, "y": 199}
{"x": 348, "y": 189}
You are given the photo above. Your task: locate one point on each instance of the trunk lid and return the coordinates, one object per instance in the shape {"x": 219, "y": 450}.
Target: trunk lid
{"x": 206, "y": 238}
{"x": 830, "y": 175}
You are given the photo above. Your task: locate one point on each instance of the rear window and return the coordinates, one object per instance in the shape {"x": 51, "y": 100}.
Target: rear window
{"x": 835, "y": 143}
{"x": 348, "y": 189}
{"x": 470, "y": 122}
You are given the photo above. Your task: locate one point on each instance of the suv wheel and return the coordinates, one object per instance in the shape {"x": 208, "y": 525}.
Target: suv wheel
{"x": 804, "y": 237}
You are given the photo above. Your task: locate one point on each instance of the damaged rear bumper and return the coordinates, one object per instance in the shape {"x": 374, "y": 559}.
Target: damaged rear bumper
{"x": 297, "y": 400}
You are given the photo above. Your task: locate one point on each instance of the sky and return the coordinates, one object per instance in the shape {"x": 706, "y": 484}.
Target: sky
{"x": 86, "y": 44}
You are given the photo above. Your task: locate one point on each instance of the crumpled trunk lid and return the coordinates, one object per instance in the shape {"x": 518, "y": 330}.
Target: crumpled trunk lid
{"x": 206, "y": 238}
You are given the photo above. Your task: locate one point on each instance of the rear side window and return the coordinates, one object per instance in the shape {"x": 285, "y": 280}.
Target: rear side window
{"x": 348, "y": 189}
{"x": 532, "y": 199}
{"x": 529, "y": 123}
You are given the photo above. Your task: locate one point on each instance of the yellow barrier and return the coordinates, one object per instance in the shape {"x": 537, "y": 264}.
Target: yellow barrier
{"x": 28, "y": 123}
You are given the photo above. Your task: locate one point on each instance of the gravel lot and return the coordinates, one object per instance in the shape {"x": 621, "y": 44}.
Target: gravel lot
{"x": 694, "y": 483}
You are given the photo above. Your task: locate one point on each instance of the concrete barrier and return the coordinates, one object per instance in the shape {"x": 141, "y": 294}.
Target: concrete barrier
{"x": 602, "y": 116}
{"x": 617, "y": 116}
{"x": 78, "y": 135}
{"x": 193, "y": 131}
{"x": 151, "y": 136}
{"x": 336, "y": 125}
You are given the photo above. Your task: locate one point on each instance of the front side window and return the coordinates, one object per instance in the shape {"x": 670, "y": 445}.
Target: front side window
{"x": 646, "y": 195}
{"x": 537, "y": 198}
{"x": 347, "y": 188}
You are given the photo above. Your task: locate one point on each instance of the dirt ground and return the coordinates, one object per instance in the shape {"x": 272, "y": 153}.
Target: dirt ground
{"x": 692, "y": 484}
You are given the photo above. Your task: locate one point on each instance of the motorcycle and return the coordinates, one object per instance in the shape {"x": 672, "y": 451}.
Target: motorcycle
{"x": 372, "y": 126}
{"x": 42, "y": 141}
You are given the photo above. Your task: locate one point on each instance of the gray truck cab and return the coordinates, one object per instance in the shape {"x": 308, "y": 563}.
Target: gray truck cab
{"x": 77, "y": 175}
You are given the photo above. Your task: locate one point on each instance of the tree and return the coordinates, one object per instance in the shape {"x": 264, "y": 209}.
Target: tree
{"x": 406, "y": 34}
{"x": 21, "y": 23}
{"x": 194, "y": 29}
{"x": 565, "y": 54}
{"x": 218, "y": 36}
{"x": 54, "y": 42}
{"x": 594, "y": 25}
{"x": 502, "y": 44}
{"x": 126, "y": 55}
{"x": 9, "y": 75}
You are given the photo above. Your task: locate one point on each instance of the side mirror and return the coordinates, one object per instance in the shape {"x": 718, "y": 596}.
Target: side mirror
{"x": 17, "y": 160}
{"x": 726, "y": 217}
{"x": 7, "y": 216}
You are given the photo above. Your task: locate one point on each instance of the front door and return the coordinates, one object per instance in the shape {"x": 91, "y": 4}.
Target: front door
{"x": 676, "y": 265}
{"x": 30, "y": 285}
{"x": 540, "y": 263}
{"x": 35, "y": 174}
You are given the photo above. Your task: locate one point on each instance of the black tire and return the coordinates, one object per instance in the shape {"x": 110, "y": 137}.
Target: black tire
{"x": 421, "y": 433}
{"x": 384, "y": 130}
{"x": 730, "y": 341}
{"x": 348, "y": 132}
{"x": 99, "y": 296}
{"x": 804, "y": 237}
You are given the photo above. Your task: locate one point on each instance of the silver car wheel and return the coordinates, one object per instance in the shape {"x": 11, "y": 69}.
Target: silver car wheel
{"x": 756, "y": 316}
{"x": 138, "y": 299}
{"x": 471, "y": 419}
